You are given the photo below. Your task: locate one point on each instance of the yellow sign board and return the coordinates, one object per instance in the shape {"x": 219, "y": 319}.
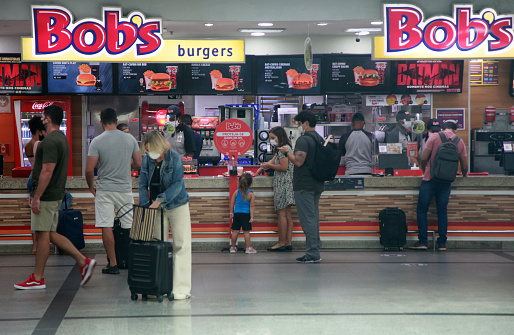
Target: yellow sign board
{"x": 176, "y": 51}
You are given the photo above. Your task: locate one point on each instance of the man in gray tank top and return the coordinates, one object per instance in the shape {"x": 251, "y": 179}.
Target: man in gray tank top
{"x": 112, "y": 153}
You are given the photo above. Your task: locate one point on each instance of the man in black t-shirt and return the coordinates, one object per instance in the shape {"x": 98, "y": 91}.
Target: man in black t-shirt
{"x": 307, "y": 190}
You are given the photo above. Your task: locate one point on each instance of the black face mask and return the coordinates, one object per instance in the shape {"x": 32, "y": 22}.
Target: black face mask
{"x": 41, "y": 137}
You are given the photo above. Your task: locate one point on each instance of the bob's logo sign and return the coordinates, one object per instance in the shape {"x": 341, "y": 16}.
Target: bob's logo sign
{"x": 54, "y": 32}
{"x": 407, "y": 34}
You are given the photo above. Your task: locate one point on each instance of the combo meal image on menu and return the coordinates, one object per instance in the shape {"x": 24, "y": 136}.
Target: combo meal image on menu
{"x": 151, "y": 78}
{"x": 288, "y": 75}
{"x": 357, "y": 73}
{"x": 207, "y": 78}
{"x": 79, "y": 77}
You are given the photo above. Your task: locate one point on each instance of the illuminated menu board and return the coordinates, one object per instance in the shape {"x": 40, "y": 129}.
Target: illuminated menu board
{"x": 432, "y": 76}
{"x": 79, "y": 78}
{"x": 150, "y": 78}
{"x": 17, "y": 77}
{"x": 277, "y": 75}
{"x": 230, "y": 79}
{"x": 356, "y": 74}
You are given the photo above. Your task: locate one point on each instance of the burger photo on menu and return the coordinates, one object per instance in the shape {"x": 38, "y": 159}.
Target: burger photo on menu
{"x": 86, "y": 80}
{"x": 302, "y": 81}
{"x": 160, "y": 82}
{"x": 369, "y": 78}
{"x": 224, "y": 84}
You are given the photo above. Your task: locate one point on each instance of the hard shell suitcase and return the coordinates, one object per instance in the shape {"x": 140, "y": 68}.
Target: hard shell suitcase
{"x": 121, "y": 240}
{"x": 71, "y": 225}
{"x": 150, "y": 268}
{"x": 393, "y": 228}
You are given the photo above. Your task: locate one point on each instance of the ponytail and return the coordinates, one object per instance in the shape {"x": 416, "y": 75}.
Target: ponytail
{"x": 245, "y": 181}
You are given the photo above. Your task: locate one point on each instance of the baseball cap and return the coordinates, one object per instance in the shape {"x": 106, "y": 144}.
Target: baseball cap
{"x": 357, "y": 117}
{"x": 174, "y": 110}
{"x": 434, "y": 125}
{"x": 402, "y": 115}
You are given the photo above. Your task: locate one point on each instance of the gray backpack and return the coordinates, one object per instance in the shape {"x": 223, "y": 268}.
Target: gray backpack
{"x": 446, "y": 161}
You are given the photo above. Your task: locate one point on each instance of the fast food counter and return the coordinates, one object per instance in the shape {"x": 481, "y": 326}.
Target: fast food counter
{"x": 476, "y": 203}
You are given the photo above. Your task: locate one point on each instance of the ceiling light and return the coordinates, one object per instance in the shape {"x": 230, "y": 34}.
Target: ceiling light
{"x": 265, "y": 24}
{"x": 209, "y": 24}
{"x": 357, "y": 30}
{"x": 362, "y": 33}
{"x": 321, "y": 24}
{"x": 376, "y": 23}
{"x": 257, "y": 34}
{"x": 261, "y": 30}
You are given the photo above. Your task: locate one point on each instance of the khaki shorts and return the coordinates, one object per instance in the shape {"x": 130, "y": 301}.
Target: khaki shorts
{"x": 48, "y": 218}
{"x": 105, "y": 204}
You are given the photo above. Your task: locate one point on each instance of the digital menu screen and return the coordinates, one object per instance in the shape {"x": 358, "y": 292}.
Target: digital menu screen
{"x": 427, "y": 76}
{"x": 230, "y": 79}
{"x": 150, "y": 78}
{"x": 288, "y": 75}
{"x": 356, "y": 74}
{"x": 17, "y": 77}
{"x": 79, "y": 78}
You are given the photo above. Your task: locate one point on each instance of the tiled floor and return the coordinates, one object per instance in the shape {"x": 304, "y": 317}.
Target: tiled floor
{"x": 350, "y": 292}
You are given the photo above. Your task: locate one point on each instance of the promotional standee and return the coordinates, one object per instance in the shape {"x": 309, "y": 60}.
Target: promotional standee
{"x": 233, "y": 137}
{"x": 24, "y": 110}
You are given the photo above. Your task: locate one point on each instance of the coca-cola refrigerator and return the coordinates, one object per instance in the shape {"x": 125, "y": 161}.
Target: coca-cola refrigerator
{"x": 24, "y": 110}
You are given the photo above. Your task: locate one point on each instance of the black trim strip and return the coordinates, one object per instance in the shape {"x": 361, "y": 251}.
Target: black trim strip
{"x": 504, "y": 255}
{"x": 58, "y": 308}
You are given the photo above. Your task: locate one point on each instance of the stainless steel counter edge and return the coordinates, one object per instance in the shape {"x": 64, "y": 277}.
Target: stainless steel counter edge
{"x": 495, "y": 181}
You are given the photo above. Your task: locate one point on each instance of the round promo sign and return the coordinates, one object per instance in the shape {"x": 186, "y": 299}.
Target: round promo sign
{"x": 233, "y": 137}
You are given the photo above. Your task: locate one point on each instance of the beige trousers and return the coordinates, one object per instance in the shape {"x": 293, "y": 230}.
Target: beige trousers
{"x": 179, "y": 220}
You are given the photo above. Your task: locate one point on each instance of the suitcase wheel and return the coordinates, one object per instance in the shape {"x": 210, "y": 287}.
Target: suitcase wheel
{"x": 160, "y": 298}
{"x": 170, "y": 296}
{"x": 144, "y": 297}
{"x": 133, "y": 296}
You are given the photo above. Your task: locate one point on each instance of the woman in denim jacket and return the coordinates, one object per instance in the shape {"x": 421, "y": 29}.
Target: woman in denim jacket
{"x": 161, "y": 185}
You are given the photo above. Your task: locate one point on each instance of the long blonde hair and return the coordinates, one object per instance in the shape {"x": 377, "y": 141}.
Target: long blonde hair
{"x": 245, "y": 181}
{"x": 156, "y": 142}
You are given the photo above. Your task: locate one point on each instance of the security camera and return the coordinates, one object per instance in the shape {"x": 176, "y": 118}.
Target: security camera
{"x": 357, "y": 39}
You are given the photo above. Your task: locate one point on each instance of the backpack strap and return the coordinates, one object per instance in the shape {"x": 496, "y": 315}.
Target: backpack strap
{"x": 443, "y": 137}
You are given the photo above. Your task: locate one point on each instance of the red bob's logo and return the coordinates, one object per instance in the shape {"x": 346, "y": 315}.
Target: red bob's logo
{"x": 55, "y": 32}
{"x": 405, "y": 29}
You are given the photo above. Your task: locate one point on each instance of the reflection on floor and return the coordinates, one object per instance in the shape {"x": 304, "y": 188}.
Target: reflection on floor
{"x": 349, "y": 292}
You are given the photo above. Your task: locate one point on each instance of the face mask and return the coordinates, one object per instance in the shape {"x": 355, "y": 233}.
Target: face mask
{"x": 301, "y": 130}
{"x": 407, "y": 124}
{"x": 153, "y": 155}
{"x": 273, "y": 143}
{"x": 41, "y": 137}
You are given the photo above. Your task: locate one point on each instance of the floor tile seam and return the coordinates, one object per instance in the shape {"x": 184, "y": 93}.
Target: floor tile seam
{"x": 71, "y": 318}
{"x": 503, "y": 255}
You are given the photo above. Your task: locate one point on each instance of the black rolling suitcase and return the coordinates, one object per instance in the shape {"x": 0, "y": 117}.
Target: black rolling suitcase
{"x": 150, "y": 268}
{"x": 393, "y": 228}
{"x": 121, "y": 240}
{"x": 71, "y": 226}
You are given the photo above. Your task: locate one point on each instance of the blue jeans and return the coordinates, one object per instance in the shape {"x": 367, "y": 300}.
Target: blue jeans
{"x": 307, "y": 206}
{"x": 427, "y": 191}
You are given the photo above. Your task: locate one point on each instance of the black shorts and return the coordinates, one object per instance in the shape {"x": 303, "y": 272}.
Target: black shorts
{"x": 241, "y": 220}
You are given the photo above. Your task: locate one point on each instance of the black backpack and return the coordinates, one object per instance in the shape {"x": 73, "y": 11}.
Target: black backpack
{"x": 326, "y": 160}
{"x": 446, "y": 161}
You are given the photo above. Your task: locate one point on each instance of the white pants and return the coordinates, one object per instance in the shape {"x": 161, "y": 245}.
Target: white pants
{"x": 179, "y": 220}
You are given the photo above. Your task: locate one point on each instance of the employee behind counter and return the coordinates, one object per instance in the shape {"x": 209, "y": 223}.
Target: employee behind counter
{"x": 401, "y": 133}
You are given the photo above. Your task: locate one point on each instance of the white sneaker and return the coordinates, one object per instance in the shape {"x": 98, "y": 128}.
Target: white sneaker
{"x": 180, "y": 296}
{"x": 250, "y": 250}
{"x": 233, "y": 250}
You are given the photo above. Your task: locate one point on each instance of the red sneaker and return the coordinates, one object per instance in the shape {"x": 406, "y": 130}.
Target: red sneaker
{"x": 31, "y": 284}
{"x": 87, "y": 270}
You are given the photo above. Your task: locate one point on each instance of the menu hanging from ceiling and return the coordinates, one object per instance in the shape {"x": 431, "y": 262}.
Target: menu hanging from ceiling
{"x": 356, "y": 74}
{"x": 288, "y": 75}
{"x": 430, "y": 76}
{"x": 230, "y": 79}
{"x": 79, "y": 78}
{"x": 17, "y": 77}
{"x": 150, "y": 78}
